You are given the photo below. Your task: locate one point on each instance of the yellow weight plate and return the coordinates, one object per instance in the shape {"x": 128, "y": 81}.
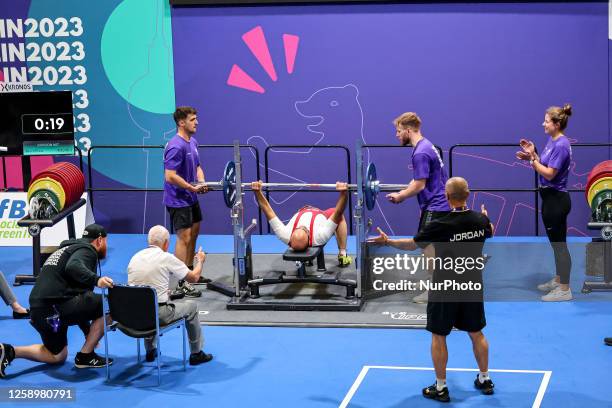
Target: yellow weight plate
{"x": 47, "y": 183}
{"x": 600, "y": 185}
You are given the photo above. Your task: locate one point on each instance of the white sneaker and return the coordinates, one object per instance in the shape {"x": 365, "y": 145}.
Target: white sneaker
{"x": 422, "y": 298}
{"x": 558, "y": 295}
{"x": 548, "y": 286}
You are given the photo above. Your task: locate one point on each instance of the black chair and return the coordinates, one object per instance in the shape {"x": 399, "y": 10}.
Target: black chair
{"x": 134, "y": 310}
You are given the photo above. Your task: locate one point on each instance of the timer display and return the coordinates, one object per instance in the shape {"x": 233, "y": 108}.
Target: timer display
{"x": 53, "y": 123}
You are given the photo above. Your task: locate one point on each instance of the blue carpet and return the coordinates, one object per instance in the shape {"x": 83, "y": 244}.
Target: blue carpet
{"x": 280, "y": 367}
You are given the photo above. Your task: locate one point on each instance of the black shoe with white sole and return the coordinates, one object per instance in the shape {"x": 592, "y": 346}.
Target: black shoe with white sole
{"x": 7, "y": 354}
{"x": 90, "y": 360}
{"x": 485, "y": 387}
{"x": 432, "y": 392}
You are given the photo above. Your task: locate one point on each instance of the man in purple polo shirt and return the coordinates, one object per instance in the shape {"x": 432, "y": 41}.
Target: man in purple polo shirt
{"x": 429, "y": 176}
{"x": 181, "y": 168}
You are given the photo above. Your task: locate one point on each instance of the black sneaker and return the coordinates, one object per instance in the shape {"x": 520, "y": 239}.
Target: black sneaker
{"x": 90, "y": 360}
{"x": 199, "y": 358}
{"x": 432, "y": 392}
{"x": 177, "y": 294}
{"x": 188, "y": 290}
{"x": 485, "y": 387}
{"x": 151, "y": 355}
{"x": 7, "y": 354}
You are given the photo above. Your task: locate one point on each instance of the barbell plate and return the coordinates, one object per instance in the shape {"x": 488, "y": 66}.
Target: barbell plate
{"x": 602, "y": 200}
{"x": 47, "y": 183}
{"x": 49, "y": 197}
{"x": 229, "y": 184}
{"x": 603, "y": 167}
{"x": 370, "y": 187}
{"x": 593, "y": 179}
{"x": 601, "y": 184}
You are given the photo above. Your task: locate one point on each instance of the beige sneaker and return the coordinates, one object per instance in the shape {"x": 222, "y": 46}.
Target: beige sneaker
{"x": 548, "y": 286}
{"x": 422, "y": 298}
{"x": 558, "y": 295}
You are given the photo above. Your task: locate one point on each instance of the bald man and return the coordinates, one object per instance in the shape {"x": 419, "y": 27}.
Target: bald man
{"x": 458, "y": 309}
{"x": 310, "y": 226}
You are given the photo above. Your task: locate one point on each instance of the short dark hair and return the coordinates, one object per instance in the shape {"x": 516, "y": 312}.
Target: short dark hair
{"x": 182, "y": 112}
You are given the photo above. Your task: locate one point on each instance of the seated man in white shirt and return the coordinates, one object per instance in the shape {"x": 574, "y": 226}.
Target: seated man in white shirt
{"x": 156, "y": 267}
{"x": 310, "y": 226}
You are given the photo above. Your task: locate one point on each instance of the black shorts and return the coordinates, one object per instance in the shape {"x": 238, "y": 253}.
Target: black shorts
{"x": 185, "y": 217}
{"x": 429, "y": 216}
{"x": 80, "y": 310}
{"x": 466, "y": 316}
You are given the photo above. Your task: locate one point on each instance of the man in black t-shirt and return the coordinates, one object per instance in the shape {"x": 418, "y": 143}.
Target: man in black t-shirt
{"x": 63, "y": 296}
{"x": 457, "y": 238}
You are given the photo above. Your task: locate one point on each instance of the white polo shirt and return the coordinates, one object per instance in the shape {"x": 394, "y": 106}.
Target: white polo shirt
{"x": 155, "y": 267}
{"x": 323, "y": 228}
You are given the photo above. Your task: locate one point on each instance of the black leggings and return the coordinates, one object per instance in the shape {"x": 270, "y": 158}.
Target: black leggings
{"x": 556, "y": 206}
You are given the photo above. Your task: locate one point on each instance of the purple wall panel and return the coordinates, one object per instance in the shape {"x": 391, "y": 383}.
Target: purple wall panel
{"x": 475, "y": 73}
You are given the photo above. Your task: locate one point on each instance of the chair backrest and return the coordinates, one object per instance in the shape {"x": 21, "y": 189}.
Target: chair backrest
{"x": 133, "y": 306}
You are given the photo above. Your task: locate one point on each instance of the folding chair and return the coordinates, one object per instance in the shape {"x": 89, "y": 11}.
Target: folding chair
{"x": 134, "y": 310}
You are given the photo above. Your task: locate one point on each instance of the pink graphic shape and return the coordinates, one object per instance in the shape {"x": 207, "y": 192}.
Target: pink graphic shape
{"x": 291, "y": 46}
{"x": 1, "y": 76}
{"x": 14, "y": 173}
{"x": 500, "y": 211}
{"x": 241, "y": 79}
{"x": 256, "y": 41}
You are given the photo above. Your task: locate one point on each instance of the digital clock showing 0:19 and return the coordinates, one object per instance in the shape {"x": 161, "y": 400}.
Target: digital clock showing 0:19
{"x": 47, "y": 124}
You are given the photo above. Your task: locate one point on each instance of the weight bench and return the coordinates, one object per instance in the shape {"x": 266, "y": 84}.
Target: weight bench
{"x": 303, "y": 258}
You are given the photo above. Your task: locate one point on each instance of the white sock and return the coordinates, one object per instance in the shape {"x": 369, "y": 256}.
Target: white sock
{"x": 440, "y": 384}
{"x": 483, "y": 376}
{"x": 342, "y": 252}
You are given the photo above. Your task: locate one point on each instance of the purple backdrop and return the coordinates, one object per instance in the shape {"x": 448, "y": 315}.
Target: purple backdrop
{"x": 474, "y": 73}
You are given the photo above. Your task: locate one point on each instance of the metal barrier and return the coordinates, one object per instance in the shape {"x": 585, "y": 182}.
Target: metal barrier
{"x": 366, "y": 146}
{"x": 91, "y": 188}
{"x": 292, "y": 146}
{"x": 535, "y": 188}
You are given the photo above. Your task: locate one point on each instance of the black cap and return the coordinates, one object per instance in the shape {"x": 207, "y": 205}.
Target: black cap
{"x": 93, "y": 231}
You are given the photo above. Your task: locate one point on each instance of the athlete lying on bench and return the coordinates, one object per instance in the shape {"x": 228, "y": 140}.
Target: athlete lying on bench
{"x": 310, "y": 226}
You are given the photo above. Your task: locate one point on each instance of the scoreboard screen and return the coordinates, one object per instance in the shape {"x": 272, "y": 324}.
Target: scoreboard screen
{"x": 36, "y": 123}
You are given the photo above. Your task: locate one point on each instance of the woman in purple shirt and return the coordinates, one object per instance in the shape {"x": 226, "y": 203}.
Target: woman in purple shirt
{"x": 552, "y": 167}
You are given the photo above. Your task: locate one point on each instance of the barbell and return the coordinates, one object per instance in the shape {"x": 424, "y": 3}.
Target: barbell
{"x": 371, "y": 185}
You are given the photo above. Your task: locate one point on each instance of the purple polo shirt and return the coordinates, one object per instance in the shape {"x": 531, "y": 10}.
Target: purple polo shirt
{"x": 427, "y": 164}
{"x": 183, "y": 157}
{"x": 558, "y": 155}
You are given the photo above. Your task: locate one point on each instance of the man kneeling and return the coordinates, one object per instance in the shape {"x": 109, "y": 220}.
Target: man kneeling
{"x": 63, "y": 296}
{"x": 155, "y": 266}
{"x": 310, "y": 226}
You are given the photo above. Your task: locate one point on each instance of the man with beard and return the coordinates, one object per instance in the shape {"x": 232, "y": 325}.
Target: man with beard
{"x": 428, "y": 178}
{"x": 63, "y": 296}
